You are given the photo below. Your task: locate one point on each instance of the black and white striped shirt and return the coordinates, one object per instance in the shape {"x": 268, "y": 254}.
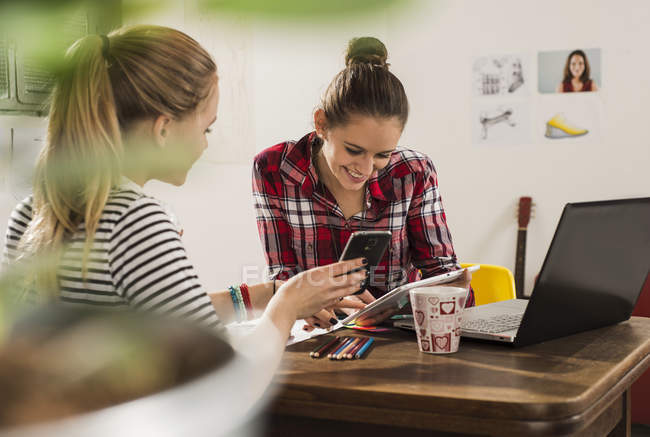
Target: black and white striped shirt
{"x": 136, "y": 260}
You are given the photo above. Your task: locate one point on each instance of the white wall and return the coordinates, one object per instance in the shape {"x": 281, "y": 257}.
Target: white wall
{"x": 272, "y": 76}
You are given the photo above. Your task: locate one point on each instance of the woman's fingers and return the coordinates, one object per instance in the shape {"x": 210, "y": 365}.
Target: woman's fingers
{"x": 343, "y": 286}
{"x": 335, "y": 276}
{"x": 343, "y": 267}
{"x": 312, "y": 322}
{"x": 323, "y": 279}
{"x": 319, "y": 288}
{"x": 366, "y": 297}
{"x": 325, "y": 318}
{"x": 350, "y": 302}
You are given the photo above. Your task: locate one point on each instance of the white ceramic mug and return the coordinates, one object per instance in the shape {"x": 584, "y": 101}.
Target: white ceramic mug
{"x": 437, "y": 313}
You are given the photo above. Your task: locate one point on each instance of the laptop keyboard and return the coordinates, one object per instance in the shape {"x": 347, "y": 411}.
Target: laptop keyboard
{"x": 493, "y": 325}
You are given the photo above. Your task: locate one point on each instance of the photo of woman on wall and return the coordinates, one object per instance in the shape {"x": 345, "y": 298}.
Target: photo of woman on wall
{"x": 577, "y": 74}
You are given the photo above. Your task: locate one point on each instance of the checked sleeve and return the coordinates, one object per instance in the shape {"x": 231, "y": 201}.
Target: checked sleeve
{"x": 429, "y": 238}
{"x": 275, "y": 232}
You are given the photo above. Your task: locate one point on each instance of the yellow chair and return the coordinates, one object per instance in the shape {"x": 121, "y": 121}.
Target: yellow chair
{"x": 492, "y": 283}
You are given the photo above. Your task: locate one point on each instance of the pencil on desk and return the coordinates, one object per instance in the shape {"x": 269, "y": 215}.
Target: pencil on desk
{"x": 359, "y": 345}
{"x": 330, "y": 350}
{"x": 321, "y": 349}
{"x": 348, "y": 348}
{"x": 365, "y": 347}
{"x": 344, "y": 344}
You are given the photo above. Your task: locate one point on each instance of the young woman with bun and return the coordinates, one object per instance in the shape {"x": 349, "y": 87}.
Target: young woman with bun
{"x": 349, "y": 175}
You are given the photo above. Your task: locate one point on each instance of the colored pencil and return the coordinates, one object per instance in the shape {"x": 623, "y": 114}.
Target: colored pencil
{"x": 321, "y": 349}
{"x": 331, "y": 346}
{"x": 348, "y": 348}
{"x": 359, "y": 345}
{"x": 364, "y": 348}
{"x": 332, "y": 355}
{"x": 330, "y": 350}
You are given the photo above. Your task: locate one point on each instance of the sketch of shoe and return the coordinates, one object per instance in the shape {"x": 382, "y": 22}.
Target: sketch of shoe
{"x": 559, "y": 127}
{"x": 503, "y": 116}
{"x": 519, "y": 81}
{"x": 517, "y": 76}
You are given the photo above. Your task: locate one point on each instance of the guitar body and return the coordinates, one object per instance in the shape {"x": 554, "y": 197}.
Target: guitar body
{"x": 523, "y": 218}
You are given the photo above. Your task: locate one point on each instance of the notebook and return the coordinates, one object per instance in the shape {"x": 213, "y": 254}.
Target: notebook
{"x": 592, "y": 276}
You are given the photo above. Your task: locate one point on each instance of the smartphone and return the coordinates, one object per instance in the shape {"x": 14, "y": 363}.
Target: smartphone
{"x": 370, "y": 245}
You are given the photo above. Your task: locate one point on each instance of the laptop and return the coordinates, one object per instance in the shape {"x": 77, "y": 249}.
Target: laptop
{"x": 592, "y": 276}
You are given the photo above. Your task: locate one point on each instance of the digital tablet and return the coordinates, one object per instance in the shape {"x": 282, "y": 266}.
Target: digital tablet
{"x": 398, "y": 297}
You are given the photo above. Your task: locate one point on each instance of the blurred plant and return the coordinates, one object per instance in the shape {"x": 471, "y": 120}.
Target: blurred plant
{"x": 274, "y": 9}
{"x": 45, "y": 28}
{"x": 38, "y": 30}
{"x": 62, "y": 361}
{"x": 16, "y": 296}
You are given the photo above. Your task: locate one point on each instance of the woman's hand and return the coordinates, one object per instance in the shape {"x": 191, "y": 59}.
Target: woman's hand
{"x": 462, "y": 282}
{"x": 326, "y": 318}
{"x": 323, "y": 287}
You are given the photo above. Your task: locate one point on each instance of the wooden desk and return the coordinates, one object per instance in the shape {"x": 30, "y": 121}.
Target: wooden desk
{"x": 577, "y": 385}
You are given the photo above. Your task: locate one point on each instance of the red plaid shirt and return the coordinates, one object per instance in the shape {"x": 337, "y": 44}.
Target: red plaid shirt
{"x": 297, "y": 217}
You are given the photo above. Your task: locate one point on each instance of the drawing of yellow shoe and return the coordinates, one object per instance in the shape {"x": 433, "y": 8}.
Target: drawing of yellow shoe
{"x": 558, "y": 127}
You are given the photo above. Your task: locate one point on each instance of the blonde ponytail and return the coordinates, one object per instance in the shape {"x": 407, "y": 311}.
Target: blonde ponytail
{"x": 134, "y": 73}
{"x": 81, "y": 161}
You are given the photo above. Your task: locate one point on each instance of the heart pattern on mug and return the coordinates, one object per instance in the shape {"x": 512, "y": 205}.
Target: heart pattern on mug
{"x": 433, "y": 300}
{"x": 436, "y": 326}
{"x": 447, "y": 307}
{"x": 419, "y": 317}
{"x": 442, "y": 342}
{"x": 423, "y": 332}
{"x": 425, "y": 345}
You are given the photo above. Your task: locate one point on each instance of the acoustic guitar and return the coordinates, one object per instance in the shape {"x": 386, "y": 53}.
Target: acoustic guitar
{"x": 523, "y": 218}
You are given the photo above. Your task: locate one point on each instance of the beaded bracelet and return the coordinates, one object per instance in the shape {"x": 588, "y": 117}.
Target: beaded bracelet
{"x": 246, "y": 297}
{"x": 235, "y": 301}
{"x": 238, "y": 303}
{"x": 242, "y": 309}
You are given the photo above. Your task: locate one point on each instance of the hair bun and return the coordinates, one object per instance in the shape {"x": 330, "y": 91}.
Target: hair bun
{"x": 366, "y": 50}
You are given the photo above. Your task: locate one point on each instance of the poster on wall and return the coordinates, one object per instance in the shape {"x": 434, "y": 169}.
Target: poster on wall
{"x": 569, "y": 71}
{"x": 500, "y": 100}
{"x": 562, "y": 119}
{"x": 501, "y": 123}
{"x": 570, "y": 108}
{"x": 503, "y": 75}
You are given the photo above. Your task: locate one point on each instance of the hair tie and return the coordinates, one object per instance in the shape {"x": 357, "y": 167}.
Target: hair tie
{"x": 106, "y": 43}
{"x": 384, "y": 65}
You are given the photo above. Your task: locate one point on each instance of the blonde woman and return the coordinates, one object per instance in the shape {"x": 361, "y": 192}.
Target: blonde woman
{"x": 131, "y": 107}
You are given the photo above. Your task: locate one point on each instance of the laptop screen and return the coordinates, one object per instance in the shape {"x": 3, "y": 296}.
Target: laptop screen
{"x": 594, "y": 270}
